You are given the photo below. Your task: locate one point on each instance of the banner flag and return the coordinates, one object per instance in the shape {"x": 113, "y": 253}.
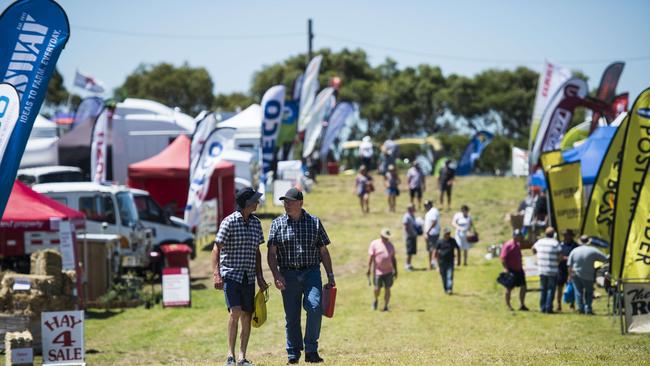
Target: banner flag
{"x": 89, "y": 108}
{"x": 550, "y": 158}
{"x": 325, "y": 101}
{"x": 550, "y": 80}
{"x": 565, "y": 191}
{"x": 220, "y": 139}
{"x": 620, "y": 103}
{"x": 9, "y": 112}
{"x": 519, "y": 162}
{"x": 342, "y": 111}
{"x": 637, "y": 308}
{"x": 473, "y": 151}
{"x": 100, "y": 139}
{"x": 308, "y": 91}
{"x": 599, "y": 215}
{"x": 634, "y": 164}
{"x": 34, "y": 32}
{"x": 203, "y": 128}
{"x": 636, "y": 256}
{"x": 557, "y": 116}
{"x": 297, "y": 87}
{"x": 272, "y": 110}
{"x": 88, "y": 83}
{"x": 607, "y": 88}
{"x": 288, "y": 128}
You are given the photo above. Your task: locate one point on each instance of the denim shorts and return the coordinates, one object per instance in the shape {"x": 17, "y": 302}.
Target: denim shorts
{"x": 237, "y": 294}
{"x": 385, "y": 280}
{"x": 411, "y": 245}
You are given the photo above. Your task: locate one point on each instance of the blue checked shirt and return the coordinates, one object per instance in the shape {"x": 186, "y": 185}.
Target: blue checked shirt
{"x": 240, "y": 242}
{"x": 298, "y": 241}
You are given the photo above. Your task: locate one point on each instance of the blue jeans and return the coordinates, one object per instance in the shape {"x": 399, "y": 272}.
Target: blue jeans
{"x": 584, "y": 290}
{"x": 447, "y": 275}
{"x": 302, "y": 287}
{"x": 547, "y": 290}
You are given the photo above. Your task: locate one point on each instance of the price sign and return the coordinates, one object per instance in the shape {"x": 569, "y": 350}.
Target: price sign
{"x": 63, "y": 338}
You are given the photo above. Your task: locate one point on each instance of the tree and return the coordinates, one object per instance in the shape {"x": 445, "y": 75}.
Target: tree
{"x": 232, "y": 102}
{"x": 56, "y": 93}
{"x": 186, "y": 87}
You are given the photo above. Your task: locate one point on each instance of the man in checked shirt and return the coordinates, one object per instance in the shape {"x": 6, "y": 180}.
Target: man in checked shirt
{"x": 297, "y": 246}
{"x": 236, "y": 261}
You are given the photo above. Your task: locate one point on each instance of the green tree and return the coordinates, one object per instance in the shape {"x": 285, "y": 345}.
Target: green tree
{"x": 56, "y": 93}
{"x": 232, "y": 101}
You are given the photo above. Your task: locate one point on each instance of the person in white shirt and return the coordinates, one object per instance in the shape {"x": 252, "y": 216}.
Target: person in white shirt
{"x": 431, "y": 230}
{"x": 366, "y": 152}
{"x": 463, "y": 223}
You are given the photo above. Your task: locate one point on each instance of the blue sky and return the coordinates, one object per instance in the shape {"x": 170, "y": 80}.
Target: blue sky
{"x": 233, "y": 39}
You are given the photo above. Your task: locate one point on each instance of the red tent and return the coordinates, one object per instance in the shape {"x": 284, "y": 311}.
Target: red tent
{"x": 32, "y": 216}
{"x": 166, "y": 177}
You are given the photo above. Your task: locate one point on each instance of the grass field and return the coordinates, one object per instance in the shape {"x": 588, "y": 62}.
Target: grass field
{"x": 423, "y": 327}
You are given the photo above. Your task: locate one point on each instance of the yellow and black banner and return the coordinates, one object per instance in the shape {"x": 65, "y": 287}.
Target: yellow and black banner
{"x": 634, "y": 164}
{"x": 565, "y": 190}
{"x": 636, "y": 258}
{"x": 550, "y": 158}
{"x": 599, "y": 215}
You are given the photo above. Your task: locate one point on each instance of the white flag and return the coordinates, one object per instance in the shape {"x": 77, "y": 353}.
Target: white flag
{"x": 324, "y": 103}
{"x": 550, "y": 79}
{"x": 220, "y": 139}
{"x": 9, "y": 112}
{"x": 88, "y": 83}
{"x": 308, "y": 91}
{"x": 203, "y": 128}
{"x": 272, "y": 107}
{"x": 98, "y": 146}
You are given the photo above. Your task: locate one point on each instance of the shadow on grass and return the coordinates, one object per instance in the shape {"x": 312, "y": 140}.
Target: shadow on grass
{"x": 198, "y": 286}
{"x": 102, "y": 314}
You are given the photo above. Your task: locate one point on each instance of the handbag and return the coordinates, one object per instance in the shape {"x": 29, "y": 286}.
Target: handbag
{"x": 259, "y": 314}
{"x": 473, "y": 238}
{"x": 569, "y": 293}
{"x": 506, "y": 279}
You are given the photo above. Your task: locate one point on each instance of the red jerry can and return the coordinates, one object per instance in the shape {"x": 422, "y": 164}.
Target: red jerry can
{"x": 328, "y": 300}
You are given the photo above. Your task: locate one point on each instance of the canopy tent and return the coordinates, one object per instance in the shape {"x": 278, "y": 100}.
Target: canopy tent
{"x": 29, "y": 211}
{"x": 74, "y": 148}
{"x": 166, "y": 177}
{"x": 591, "y": 153}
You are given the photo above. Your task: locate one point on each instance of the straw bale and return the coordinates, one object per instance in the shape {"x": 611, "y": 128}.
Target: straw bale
{"x": 6, "y": 300}
{"x": 46, "y": 262}
{"x": 49, "y": 285}
{"x": 69, "y": 280}
{"x": 15, "y": 340}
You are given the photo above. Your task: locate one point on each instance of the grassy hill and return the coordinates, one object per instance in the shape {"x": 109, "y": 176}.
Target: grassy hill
{"x": 424, "y": 326}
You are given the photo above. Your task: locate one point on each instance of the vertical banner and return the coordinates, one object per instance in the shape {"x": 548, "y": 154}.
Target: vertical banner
{"x": 599, "y": 215}
{"x": 288, "y": 128}
{"x": 34, "y": 33}
{"x": 550, "y": 158}
{"x": 519, "y": 162}
{"x": 100, "y": 139}
{"x": 325, "y": 101}
{"x": 636, "y": 256}
{"x": 201, "y": 133}
{"x": 473, "y": 151}
{"x": 607, "y": 88}
{"x": 308, "y": 91}
{"x": 66, "y": 246}
{"x": 220, "y": 139}
{"x": 634, "y": 164}
{"x": 9, "y": 111}
{"x": 89, "y": 108}
{"x": 620, "y": 103}
{"x": 637, "y": 307}
{"x": 342, "y": 111}
{"x": 272, "y": 111}
{"x": 550, "y": 79}
{"x": 565, "y": 190}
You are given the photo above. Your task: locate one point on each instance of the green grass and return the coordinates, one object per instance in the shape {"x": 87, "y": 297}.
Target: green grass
{"x": 424, "y": 326}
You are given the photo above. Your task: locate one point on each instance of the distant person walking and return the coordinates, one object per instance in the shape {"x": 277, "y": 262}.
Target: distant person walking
{"x": 582, "y": 273}
{"x": 366, "y": 152}
{"x": 388, "y": 154}
{"x": 392, "y": 182}
{"x": 547, "y": 250}
{"x": 444, "y": 253}
{"x": 363, "y": 187}
{"x": 297, "y": 246}
{"x": 462, "y": 222}
{"x": 446, "y": 183}
{"x": 511, "y": 261}
{"x": 410, "y": 235}
{"x": 381, "y": 256}
{"x": 431, "y": 230}
{"x": 416, "y": 182}
{"x": 566, "y": 247}
{"x": 236, "y": 261}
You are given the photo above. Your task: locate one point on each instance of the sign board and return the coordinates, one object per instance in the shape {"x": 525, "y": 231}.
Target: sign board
{"x": 280, "y": 187}
{"x": 176, "y": 287}
{"x": 637, "y": 307}
{"x": 22, "y": 284}
{"x": 22, "y": 356}
{"x": 62, "y": 334}
{"x": 66, "y": 247}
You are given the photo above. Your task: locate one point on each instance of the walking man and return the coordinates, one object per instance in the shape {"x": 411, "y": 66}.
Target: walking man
{"x": 582, "y": 273}
{"x": 547, "y": 250}
{"x": 511, "y": 260}
{"x": 410, "y": 235}
{"x": 444, "y": 253}
{"x": 566, "y": 247}
{"x": 236, "y": 261}
{"x": 416, "y": 182}
{"x": 445, "y": 183}
{"x": 431, "y": 230}
{"x": 381, "y": 255}
{"x": 297, "y": 246}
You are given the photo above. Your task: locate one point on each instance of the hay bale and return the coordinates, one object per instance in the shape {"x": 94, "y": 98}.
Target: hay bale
{"x": 16, "y": 340}
{"x": 6, "y": 300}
{"x": 49, "y": 285}
{"x": 46, "y": 262}
{"x": 69, "y": 280}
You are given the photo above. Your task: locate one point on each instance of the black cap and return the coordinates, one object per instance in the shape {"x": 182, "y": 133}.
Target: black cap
{"x": 292, "y": 194}
{"x": 246, "y": 197}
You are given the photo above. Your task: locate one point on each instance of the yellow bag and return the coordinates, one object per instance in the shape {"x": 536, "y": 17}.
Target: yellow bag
{"x": 259, "y": 314}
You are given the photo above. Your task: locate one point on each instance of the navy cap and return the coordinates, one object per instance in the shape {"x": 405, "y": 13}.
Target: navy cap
{"x": 292, "y": 194}
{"x": 246, "y": 197}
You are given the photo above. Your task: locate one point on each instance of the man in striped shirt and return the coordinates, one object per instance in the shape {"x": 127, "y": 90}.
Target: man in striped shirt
{"x": 547, "y": 250}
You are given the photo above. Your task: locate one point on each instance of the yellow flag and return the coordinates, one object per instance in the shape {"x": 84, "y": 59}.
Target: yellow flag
{"x": 550, "y": 158}
{"x": 634, "y": 163}
{"x": 599, "y": 215}
{"x": 636, "y": 258}
{"x": 565, "y": 188}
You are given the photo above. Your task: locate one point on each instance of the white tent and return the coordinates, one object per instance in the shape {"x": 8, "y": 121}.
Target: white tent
{"x": 41, "y": 148}
{"x": 248, "y": 124}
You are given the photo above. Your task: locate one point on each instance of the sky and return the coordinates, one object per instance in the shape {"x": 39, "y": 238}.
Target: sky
{"x": 233, "y": 39}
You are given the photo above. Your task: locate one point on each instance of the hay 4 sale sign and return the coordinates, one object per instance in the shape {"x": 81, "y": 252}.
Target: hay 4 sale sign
{"x": 63, "y": 338}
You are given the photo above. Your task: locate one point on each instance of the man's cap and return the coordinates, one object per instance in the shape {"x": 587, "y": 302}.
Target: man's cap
{"x": 428, "y": 203}
{"x": 292, "y": 194}
{"x": 585, "y": 240}
{"x": 246, "y": 197}
{"x": 516, "y": 232}
{"x": 568, "y": 232}
{"x": 446, "y": 230}
{"x": 385, "y": 232}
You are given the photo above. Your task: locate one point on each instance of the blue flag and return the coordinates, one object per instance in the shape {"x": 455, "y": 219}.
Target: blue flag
{"x": 34, "y": 33}
{"x": 473, "y": 151}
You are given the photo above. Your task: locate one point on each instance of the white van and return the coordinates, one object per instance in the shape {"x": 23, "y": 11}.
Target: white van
{"x": 50, "y": 174}
{"x": 109, "y": 209}
{"x": 166, "y": 229}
